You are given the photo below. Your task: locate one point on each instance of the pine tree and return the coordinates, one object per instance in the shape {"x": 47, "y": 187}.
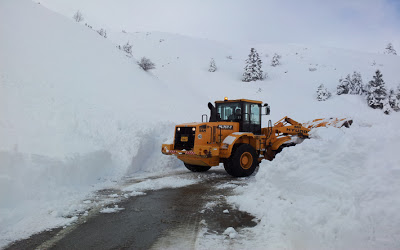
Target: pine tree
{"x": 394, "y": 99}
{"x": 253, "y": 71}
{"x": 390, "y": 50}
{"x": 397, "y": 92}
{"x": 127, "y": 48}
{"x": 344, "y": 85}
{"x": 394, "y": 102}
{"x": 376, "y": 91}
{"x": 356, "y": 85}
{"x": 78, "y": 16}
{"x": 322, "y": 93}
{"x": 386, "y": 107}
{"x": 213, "y": 67}
{"x": 275, "y": 60}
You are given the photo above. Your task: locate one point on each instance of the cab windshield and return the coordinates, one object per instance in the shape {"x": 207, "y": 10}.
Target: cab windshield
{"x": 230, "y": 111}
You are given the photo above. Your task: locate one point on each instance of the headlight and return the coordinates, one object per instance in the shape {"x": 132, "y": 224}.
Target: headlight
{"x": 179, "y": 129}
{"x": 193, "y": 129}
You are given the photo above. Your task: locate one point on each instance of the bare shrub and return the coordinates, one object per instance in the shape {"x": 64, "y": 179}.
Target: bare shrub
{"x": 146, "y": 64}
{"x": 102, "y": 32}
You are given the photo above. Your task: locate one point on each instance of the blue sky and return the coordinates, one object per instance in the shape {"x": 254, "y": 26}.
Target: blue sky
{"x": 366, "y": 25}
{"x": 396, "y": 4}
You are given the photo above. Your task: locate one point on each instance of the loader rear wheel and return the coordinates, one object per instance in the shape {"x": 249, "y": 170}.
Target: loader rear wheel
{"x": 243, "y": 161}
{"x": 195, "y": 168}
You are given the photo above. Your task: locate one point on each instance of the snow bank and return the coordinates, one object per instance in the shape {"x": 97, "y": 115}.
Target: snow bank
{"x": 73, "y": 118}
{"x": 338, "y": 190}
{"x": 42, "y": 191}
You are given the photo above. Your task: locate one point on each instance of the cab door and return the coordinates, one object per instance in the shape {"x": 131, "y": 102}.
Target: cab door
{"x": 251, "y": 118}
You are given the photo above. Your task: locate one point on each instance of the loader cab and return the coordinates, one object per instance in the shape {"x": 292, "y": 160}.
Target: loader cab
{"x": 246, "y": 112}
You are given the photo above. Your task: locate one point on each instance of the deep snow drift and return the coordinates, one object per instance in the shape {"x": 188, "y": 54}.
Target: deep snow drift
{"x": 338, "y": 190}
{"x": 76, "y": 114}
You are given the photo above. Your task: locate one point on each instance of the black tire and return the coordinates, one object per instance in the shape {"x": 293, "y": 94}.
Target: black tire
{"x": 243, "y": 161}
{"x": 195, "y": 168}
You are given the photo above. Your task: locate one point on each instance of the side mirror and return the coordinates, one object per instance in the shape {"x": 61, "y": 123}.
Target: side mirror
{"x": 267, "y": 109}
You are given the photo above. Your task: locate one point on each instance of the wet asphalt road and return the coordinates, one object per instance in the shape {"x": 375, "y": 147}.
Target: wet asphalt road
{"x": 148, "y": 221}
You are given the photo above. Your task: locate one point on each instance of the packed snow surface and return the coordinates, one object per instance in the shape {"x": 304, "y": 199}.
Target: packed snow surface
{"x": 155, "y": 184}
{"x": 231, "y": 232}
{"x": 77, "y": 114}
{"x": 109, "y": 210}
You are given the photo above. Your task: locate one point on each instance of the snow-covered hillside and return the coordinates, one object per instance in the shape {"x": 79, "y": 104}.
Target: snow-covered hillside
{"x": 77, "y": 114}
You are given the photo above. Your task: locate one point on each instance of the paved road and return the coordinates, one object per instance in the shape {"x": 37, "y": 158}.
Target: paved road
{"x": 156, "y": 220}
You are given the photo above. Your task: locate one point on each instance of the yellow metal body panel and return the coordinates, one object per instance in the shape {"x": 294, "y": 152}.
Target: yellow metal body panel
{"x": 236, "y": 138}
{"x": 165, "y": 148}
{"x": 199, "y": 161}
{"x": 278, "y": 142}
{"x": 240, "y": 100}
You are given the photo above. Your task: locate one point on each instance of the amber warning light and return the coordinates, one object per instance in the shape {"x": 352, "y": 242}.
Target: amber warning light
{"x": 226, "y": 99}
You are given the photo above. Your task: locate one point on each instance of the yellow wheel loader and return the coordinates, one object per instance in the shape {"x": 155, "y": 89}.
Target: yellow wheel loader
{"x": 233, "y": 136}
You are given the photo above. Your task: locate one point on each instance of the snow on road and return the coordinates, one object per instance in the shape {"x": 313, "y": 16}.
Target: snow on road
{"x": 103, "y": 201}
{"x": 155, "y": 184}
{"x": 109, "y": 210}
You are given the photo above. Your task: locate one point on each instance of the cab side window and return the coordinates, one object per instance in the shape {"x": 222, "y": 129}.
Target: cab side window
{"x": 255, "y": 113}
{"x": 228, "y": 111}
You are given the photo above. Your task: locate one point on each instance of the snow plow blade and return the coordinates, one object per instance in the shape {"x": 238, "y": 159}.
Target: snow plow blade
{"x": 329, "y": 122}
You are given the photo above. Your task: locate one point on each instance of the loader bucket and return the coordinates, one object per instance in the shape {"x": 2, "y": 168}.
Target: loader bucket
{"x": 330, "y": 122}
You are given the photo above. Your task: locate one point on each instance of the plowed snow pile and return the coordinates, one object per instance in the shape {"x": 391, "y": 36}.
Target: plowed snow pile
{"x": 338, "y": 190}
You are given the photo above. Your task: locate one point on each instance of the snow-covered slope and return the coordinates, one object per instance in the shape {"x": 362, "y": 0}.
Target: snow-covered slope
{"x": 76, "y": 114}
{"x": 290, "y": 87}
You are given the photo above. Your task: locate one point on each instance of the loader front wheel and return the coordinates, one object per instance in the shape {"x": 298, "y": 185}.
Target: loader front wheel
{"x": 243, "y": 161}
{"x": 195, "y": 168}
